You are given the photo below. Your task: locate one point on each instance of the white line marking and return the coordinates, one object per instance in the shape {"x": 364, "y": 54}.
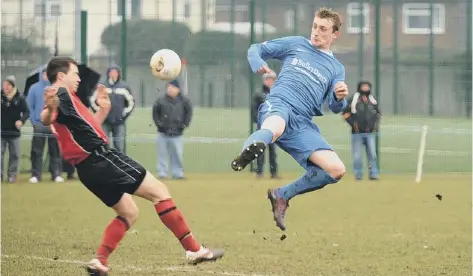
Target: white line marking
{"x": 151, "y": 138}
{"x": 136, "y": 268}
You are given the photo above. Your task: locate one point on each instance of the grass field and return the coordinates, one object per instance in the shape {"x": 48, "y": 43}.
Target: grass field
{"x": 216, "y": 136}
{"x": 387, "y": 228}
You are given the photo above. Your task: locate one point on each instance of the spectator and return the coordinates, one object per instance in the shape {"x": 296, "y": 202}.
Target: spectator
{"x": 14, "y": 114}
{"x": 42, "y": 133}
{"x": 258, "y": 99}
{"x": 172, "y": 113}
{"x": 123, "y": 104}
{"x": 363, "y": 115}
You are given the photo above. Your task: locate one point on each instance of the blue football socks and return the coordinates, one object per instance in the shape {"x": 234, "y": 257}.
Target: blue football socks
{"x": 314, "y": 179}
{"x": 262, "y": 135}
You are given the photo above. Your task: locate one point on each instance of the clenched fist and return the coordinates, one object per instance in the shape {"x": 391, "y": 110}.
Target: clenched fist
{"x": 103, "y": 100}
{"x": 341, "y": 91}
{"x": 51, "y": 99}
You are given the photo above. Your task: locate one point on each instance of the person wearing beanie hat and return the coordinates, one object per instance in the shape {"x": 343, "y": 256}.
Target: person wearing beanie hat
{"x": 172, "y": 114}
{"x": 11, "y": 80}
{"x": 258, "y": 99}
{"x": 14, "y": 115}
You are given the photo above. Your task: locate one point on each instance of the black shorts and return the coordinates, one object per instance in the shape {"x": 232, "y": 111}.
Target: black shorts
{"x": 108, "y": 174}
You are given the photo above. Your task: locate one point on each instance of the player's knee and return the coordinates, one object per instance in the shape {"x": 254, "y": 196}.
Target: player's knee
{"x": 336, "y": 170}
{"x": 131, "y": 215}
{"x": 152, "y": 189}
{"x": 276, "y": 124}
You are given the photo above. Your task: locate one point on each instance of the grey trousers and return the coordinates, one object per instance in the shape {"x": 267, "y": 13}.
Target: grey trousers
{"x": 172, "y": 148}
{"x": 40, "y": 135}
{"x": 117, "y": 133}
{"x": 13, "y": 145}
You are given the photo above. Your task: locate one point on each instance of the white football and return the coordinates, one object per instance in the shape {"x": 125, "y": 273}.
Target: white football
{"x": 165, "y": 64}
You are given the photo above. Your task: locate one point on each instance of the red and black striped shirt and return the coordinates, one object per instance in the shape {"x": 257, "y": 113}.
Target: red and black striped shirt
{"x": 76, "y": 129}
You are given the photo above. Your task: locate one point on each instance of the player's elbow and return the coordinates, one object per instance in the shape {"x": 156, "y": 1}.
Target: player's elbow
{"x": 336, "y": 107}
{"x": 254, "y": 49}
{"x": 336, "y": 110}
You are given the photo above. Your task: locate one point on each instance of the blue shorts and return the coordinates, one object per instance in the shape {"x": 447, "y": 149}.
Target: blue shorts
{"x": 301, "y": 136}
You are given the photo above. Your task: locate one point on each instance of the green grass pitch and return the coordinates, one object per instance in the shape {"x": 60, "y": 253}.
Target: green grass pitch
{"x": 390, "y": 227}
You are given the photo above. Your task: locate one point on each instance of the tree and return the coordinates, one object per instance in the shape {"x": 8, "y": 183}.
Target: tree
{"x": 17, "y": 50}
{"x": 145, "y": 37}
{"x": 213, "y": 48}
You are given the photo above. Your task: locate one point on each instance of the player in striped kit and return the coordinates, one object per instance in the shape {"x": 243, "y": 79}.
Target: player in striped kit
{"x": 111, "y": 175}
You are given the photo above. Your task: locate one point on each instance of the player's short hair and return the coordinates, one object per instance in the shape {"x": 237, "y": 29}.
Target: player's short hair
{"x": 326, "y": 13}
{"x": 58, "y": 65}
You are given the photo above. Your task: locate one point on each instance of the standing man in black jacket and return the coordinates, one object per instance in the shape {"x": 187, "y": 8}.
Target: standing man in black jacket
{"x": 172, "y": 113}
{"x": 258, "y": 99}
{"x": 363, "y": 115}
{"x": 14, "y": 115}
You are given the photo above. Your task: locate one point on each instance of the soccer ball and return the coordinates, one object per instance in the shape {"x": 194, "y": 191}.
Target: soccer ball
{"x": 165, "y": 64}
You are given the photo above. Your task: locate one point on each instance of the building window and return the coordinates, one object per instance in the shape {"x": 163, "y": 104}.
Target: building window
{"x": 47, "y": 8}
{"x": 187, "y": 9}
{"x": 225, "y": 6}
{"x": 289, "y": 19}
{"x": 39, "y": 8}
{"x": 136, "y": 8}
{"x": 55, "y": 8}
{"x": 354, "y": 13}
{"x": 416, "y": 18}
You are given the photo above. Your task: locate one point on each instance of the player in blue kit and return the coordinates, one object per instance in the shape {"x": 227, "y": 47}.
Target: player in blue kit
{"x": 310, "y": 75}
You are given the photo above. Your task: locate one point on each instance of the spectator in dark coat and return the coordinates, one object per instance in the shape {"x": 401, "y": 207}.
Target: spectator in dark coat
{"x": 123, "y": 103}
{"x": 363, "y": 115}
{"x": 172, "y": 113}
{"x": 258, "y": 99}
{"x": 14, "y": 115}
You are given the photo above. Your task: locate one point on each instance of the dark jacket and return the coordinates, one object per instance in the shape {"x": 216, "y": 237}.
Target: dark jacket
{"x": 172, "y": 116}
{"x": 13, "y": 110}
{"x": 258, "y": 99}
{"x": 121, "y": 97}
{"x": 364, "y": 115}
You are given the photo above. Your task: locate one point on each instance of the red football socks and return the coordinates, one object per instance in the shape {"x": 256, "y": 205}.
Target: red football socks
{"x": 113, "y": 234}
{"x": 174, "y": 220}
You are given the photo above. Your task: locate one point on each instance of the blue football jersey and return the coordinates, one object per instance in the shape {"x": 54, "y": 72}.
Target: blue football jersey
{"x": 308, "y": 75}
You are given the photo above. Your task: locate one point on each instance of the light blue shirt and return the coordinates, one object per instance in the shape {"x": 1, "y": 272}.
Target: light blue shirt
{"x": 308, "y": 75}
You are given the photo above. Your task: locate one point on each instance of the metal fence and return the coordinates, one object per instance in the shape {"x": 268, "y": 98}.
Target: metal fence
{"x": 423, "y": 72}
{"x": 418, "y": 70}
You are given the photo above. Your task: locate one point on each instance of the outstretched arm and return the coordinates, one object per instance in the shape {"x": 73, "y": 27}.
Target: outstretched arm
{"x": 272, "y": 49}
